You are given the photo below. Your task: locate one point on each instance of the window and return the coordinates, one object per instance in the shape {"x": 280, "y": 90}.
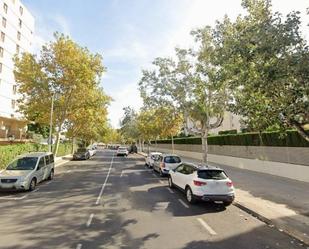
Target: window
{"x": 5, "y": 7}
{"x": 18, "y": 35}
{"x": 172, "y": 159}
{"x": 180, "y": 168}
{"x": 21, "y": 10}
{"x": 51, "y": 158}
{"x": 17, "y": 49}
{"x": 41, "y": 163}
{"x": 2, "y": 37}
{"x": 47, "y": 160}
{"x": 188, "y": 169}
{"x": 14, "y": 89}
{"x": 13, "y": 103}
{"x": 212, "y": 174}
{"x": 20, "y": 23}
{"x": 3, "y": 22}
{"x": 1, "y": 52}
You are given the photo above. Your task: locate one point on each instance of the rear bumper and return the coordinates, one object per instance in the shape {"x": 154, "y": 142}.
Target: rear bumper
{"x": 224, "y": 198}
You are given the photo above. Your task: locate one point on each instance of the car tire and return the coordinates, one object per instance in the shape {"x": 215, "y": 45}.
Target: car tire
{"x": 170, "y": 182}
{"x": 32, "y": 184}
{"x": 227, "y": 203}
{"x": 189, "y": 196}
{"x": 51, "y": 175}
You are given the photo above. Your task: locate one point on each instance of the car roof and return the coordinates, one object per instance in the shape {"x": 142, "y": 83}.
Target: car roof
{"x": 165, "y": 155}
{"x": 155, "y": 153}
{"x": 202, "y": 166}
{"x": 36, "y": 154}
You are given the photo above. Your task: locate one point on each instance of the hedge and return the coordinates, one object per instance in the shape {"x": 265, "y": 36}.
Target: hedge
{"x": 290, "y": 139}
{"x": 9, "y": 152}
{"x": 227, "y": 132}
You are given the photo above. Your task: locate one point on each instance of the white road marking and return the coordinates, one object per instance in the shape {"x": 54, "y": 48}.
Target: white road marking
{"x": 170, "y": 190}
{"x": 162, "y": 182}
{"x": 103, "y": 186}
{"x": 11, "y": 197}
{"x": 206, "y": 226}
{"x": 126, "y": 171}
{"x": 183, "y": 203}
{"x": 89, "y": 220}
{"x": 161, "y": 206}
{"x": 79, "y": 246}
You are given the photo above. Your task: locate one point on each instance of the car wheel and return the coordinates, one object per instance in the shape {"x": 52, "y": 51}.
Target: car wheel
{"x": 32, "y": 185}
{"x": 51, "y": 175}
{"x": 170, "y": 182}
{"x": 227, "y": 203}
{"x": 189, "y": 196}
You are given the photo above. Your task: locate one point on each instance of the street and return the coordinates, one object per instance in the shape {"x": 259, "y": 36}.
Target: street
{"x": 116, "y": 202}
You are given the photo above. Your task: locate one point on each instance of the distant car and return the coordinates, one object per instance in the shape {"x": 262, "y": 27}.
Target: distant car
{"x": 202, "y": 183}
{"x": 26, "y": 171}
{"x": 164, "y": 163}
{"x": 122, "y": 151}
{"x": 81, "y": 154}
{"x": 92, "y": 150}
{"x": 151, "y": 157}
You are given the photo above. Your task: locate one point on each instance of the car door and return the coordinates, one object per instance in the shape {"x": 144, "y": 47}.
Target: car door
{"x": 47, "y": 167}
{"x": 178, "y": 176}
{"x": 40, "y": 169}
{"x": 156, "y": 163}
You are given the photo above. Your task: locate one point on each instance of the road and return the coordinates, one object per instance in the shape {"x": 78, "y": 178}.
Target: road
{"x": 115, "y": 202}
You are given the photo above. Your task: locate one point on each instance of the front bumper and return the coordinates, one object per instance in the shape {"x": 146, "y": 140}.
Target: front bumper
{"x": 223, "y": 198}
{"x": 17, "y": 186}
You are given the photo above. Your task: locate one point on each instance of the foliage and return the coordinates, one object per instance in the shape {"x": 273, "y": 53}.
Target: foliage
{"x": 39, "y": 129}
{"x": 292, "y": 139}
{"x": 70, "y": 75}
{"x": 227, "y": 132}
{"x": 112, "y": 136}
{"x": 129, "y": 127}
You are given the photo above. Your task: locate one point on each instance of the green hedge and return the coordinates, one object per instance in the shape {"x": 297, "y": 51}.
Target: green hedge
{"x": 9, "y": 152}
{"x": 227, "y": 132}
{"x": 290, "y": 139}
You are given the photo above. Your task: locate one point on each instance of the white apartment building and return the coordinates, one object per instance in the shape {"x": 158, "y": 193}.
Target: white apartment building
{"x": 16, "y": 36}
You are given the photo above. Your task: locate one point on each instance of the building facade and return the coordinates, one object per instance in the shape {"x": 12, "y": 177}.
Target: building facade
{"x": 16, "y": 36}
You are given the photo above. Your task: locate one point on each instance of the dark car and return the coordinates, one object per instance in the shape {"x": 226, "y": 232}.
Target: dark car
{"x": 81, "y": 154}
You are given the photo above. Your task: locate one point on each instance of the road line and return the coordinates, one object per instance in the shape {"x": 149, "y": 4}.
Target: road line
{"x": 206, "y": 226}
{"x": 89, "y": 220}
{"x": 162, "y": 182}
{"x": 183, "y": 203}
{"x": 103, "y": 186}
{"x": 79, "y": 246}
{"x": 170, "y": 190}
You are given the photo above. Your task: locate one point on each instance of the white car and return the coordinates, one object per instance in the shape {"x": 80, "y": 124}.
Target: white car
{"x": 92, "y": 151}
{"x": 25, "y": 172}
{"x": 122, "y": 151}
{"x": 202, "y": 183}
{"x": 164, "y": 163}
{"x": 151, "y": 158}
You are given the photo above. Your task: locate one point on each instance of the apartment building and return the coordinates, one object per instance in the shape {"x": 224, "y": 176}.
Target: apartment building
{"x": 16, "y": 36}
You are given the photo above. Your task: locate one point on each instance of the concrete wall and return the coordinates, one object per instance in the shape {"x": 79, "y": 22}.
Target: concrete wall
{"x": 292, "y": 171}
{"x": 292, "y": 155}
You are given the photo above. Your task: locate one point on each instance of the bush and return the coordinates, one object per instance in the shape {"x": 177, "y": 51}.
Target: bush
{"x": 227, "y": 132}
{"x": 9, "y": 152}
{"x": 290, "y": 139}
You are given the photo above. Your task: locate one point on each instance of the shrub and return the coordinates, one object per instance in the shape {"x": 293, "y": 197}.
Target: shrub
{"x": 227, "y": 132}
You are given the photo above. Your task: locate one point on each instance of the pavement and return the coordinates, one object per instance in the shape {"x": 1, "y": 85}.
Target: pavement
{"x": 116, "y": 202}
{"x": 277, "y": 201}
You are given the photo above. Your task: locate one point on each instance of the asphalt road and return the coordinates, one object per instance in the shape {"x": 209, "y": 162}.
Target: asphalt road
{"x": 112, "y": 202}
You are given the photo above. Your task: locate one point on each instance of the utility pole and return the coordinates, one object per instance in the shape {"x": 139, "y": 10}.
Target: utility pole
{"x": 51, "y": 124}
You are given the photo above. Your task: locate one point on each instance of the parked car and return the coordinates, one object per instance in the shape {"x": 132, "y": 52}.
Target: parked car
{"x": 202, "y": 183}
{"x": 151, "y": 157}
{"x": 164, "y": 163}
{"x": 26, "y": 171}
{"x": 133, "y": 148}
{"x": 81, "y": 154}
{"x": 92, "y": 150}
{"x": 122, "y": 151}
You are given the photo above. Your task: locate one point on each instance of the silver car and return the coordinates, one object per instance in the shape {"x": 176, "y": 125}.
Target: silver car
{"x": 25, "y": 172}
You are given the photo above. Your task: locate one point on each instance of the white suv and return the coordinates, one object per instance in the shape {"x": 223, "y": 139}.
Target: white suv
{"x": 151, "y": 158}
{"x": 202, "y": 183}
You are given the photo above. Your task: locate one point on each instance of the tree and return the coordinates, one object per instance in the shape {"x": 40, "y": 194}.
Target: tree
{"x": 64, "y": 71}
{"x": 266, "y": 62}
{"x": 128, "y": 124}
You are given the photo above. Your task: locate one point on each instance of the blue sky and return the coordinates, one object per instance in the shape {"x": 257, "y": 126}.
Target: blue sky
{"x": 131, "y": 33}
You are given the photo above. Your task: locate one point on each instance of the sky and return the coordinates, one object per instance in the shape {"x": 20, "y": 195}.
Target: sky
{"x": 131, "y": 33}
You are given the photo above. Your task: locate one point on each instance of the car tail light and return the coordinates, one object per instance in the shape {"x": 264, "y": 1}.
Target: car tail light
{"x": 229, "y": 184}
{"x": 162, "y": 165}
{"x": 198, "y": 183}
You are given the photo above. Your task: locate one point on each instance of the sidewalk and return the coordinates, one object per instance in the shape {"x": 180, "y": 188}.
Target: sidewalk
{"x": 278, "y": 201}
{"x": 63, "y": 159}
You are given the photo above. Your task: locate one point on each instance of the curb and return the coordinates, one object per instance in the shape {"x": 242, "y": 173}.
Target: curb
{"x": 287, "y": 230}
{"x": 62, "y": 160}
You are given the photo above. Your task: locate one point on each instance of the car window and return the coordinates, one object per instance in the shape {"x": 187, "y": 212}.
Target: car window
{"x": 180, "y": 168}
{"x": 51, "y": 158}
{"x": 212, "y": 174}
{"x": 24, "y": 163}
{"x": 188, "y": 169}
{"x": 172, "y": 159}
{"x": 47, "y": 159}
{"x": 41, "y": 163}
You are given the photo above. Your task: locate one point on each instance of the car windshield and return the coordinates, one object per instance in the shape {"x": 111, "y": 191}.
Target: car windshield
{"x": 212, "y": 174}
{"x": 122, "y": 148}
{"x": 81, "y": 150}
{"x": 25, "y": 163}
{"x": 172, "y": 159}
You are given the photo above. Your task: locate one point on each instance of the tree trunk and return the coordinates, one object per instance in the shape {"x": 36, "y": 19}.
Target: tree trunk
{"x": 173, "y": 148}
{"x": 301, "y": 131}
{"x": 205, "y": 146}
{"x": 156, "y": 144}
{"x": 148, "y": 146}
{"x": 57, "y": 143}
{"x": 73, "y": 140}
